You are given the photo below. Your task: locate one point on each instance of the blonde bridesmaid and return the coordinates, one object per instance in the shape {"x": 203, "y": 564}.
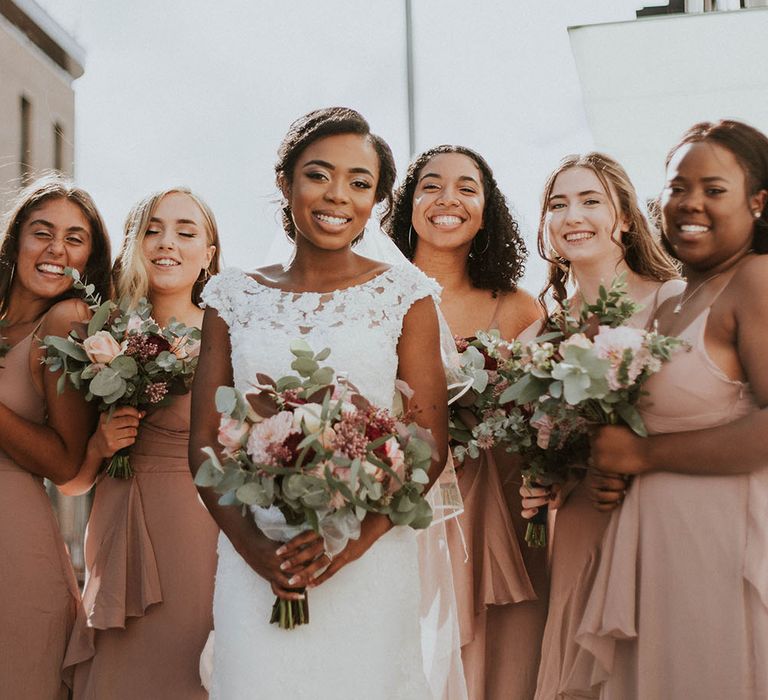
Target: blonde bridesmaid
{"x": 680, "y": 605}
{"x": 591, "y": 230}
{"x": 52, "y": 225}
{"x": 452, "y": 221}
{"x": 151, "y": 545}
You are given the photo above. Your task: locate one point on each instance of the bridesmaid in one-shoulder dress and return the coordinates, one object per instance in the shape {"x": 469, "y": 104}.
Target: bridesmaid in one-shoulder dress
{"x": 150, "y": 545}
{"x": 42, "y": 434}
{"x": 609, "y": 210}
{"x": 451, "y": 219}
{"x": 680, "y": 605}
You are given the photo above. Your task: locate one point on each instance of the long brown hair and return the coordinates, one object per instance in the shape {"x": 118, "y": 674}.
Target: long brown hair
{"x": 640, "y": 244}
{"x": 48, "y": 187}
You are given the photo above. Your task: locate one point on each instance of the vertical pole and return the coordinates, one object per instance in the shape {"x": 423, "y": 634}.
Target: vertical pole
{"x": 409, "y": 70}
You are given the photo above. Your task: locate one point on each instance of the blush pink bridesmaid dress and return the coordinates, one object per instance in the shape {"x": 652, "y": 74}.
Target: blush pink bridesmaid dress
{"x": 679, "y": 608}
{"x": 38, "y": 591}
{"x": 150, "y": 563}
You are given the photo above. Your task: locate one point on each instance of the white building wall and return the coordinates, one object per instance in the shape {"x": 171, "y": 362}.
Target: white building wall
{"x": 644, "y": 82}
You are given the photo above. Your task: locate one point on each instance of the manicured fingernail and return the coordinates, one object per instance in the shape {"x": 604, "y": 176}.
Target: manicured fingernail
{"x": 284, "y": 565}
{"x": 280, "y": 551}
{"x": 293, "y": 580}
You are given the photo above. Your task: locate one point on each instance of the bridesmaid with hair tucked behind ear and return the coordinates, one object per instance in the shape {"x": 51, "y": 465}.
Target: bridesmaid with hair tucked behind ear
{"x": 591, "y": 229}
{"x": 150, "y": 546}
{"x": 680, "y": 604}
{"x": 451, "y": 219}
{"x": 52, "y": 225}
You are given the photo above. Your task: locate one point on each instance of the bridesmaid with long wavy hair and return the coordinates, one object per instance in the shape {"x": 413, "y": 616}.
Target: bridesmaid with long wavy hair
{"x": 680, "y": 605}
{"x": 451, "y": 219}
{"x": 591, "y": 229}
{"x": 150, "y": 546}
{"x": 52, "y": 225}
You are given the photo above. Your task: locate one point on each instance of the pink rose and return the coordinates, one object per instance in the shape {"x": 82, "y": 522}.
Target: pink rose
{"x": 543, "y": 431}
{"x": 134, "y": 323}
{"x": 397, "y": 460}
{"x": 185, "y": 349}
{"x": 578, "y": 339}
{"x": 101, "y": 347}
{"x": 231, "y": 433}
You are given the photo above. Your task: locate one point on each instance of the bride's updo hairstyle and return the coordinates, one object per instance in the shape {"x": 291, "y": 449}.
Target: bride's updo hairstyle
{"x": 640, "y": 244}
{"x": 331, "y": 121}
{"x": 502, "y": 262}
{"x": 46, "y": 188}
{"x": 750, "y": 148}
{"x": 130, "y": 274}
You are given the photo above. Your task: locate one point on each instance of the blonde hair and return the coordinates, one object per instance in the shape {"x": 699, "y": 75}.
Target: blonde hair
{"x": 52, "y": 186}
{"x": 640, "y": 244}
{"x": 129, "y": 273}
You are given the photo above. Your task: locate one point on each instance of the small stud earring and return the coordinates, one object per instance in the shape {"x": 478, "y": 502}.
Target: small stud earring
{"x": 757, "y": 214}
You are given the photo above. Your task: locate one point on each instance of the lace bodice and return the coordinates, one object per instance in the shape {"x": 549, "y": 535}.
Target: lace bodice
{"x": 360, "y": 324}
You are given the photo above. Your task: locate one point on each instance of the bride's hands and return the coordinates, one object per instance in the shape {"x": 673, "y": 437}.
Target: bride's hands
{"x": 305, "y": 558}
{"x": 261, "y": 555}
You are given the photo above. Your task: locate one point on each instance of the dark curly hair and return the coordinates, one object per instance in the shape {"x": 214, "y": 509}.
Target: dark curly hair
{"x": 316, "y": 125}
{"x": 750, "y": 148}
{"x": 502, "y": 263}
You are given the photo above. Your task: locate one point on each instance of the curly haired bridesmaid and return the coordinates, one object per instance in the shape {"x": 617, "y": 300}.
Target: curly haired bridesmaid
{"x": 452, "y": 220}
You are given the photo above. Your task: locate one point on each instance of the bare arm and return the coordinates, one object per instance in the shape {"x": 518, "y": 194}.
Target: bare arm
{"x": 214, "y": 369}
{"x": 56, "y": 448}
{"x": 734, "y": 448}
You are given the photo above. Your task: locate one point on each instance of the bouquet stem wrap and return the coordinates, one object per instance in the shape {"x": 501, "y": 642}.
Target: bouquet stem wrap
{"x": 119, "y": 466}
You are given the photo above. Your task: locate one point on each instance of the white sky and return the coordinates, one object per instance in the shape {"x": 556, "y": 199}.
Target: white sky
{"x": 200, "y": 93}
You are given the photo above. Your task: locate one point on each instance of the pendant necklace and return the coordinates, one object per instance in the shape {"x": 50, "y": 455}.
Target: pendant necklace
{"x": 684, "y": 300}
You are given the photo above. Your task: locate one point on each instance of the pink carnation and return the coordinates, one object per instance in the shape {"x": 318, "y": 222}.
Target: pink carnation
{"x": 612, "y": 343}
{"x": 272, "y": 431}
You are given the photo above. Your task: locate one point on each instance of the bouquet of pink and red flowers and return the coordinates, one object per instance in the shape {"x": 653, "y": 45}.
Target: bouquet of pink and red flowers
{"x": 121, "y": 357}
{"x": 307, "y": 450}
{"x": 477, "y": 420}
{"x": 589, "y": 369}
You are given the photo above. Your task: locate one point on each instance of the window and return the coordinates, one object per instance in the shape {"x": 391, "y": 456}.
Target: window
{"x": 25, "y": 155}
{"x": 58, "y": 146}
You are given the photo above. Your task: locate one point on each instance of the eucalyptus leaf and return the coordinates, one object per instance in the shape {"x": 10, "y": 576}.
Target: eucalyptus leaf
{"x": 106, "y": 382}
{"x": 100, "y": 317}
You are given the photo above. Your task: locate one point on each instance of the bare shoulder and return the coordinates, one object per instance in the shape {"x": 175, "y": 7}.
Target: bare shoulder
{"x": 519, "y": 310}
{"x": 752, "y": 274}
{"x": 62, "y": 315}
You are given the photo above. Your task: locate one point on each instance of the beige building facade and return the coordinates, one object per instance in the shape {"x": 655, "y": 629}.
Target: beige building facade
{"x": 38, "y": 63}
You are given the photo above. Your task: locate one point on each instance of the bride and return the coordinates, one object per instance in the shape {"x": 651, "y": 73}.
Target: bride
{"x": 381, "y": 324}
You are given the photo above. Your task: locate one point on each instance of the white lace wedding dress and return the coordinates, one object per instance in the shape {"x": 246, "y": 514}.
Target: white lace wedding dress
{"x": 363, "y": 640}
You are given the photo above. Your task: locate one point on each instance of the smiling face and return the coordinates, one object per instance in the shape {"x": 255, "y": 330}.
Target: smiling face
{"x": 333, "y": 190}
{"x": 55, "y": 235}
{"x": 581, "y": 218}
{"x": 448, "y": 201}
{"x": 175, "y": 245}
{"x": 707, "y": 212}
